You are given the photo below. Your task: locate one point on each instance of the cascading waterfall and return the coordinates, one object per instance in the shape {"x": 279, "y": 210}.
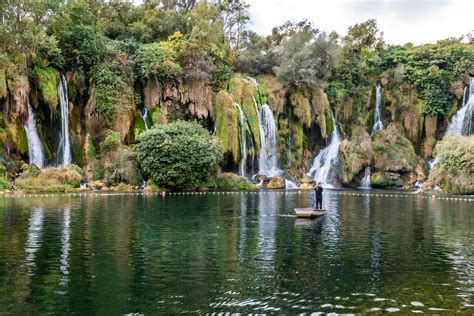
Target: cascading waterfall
{"x": 64, "y": 150}
{"x": 144, "y": 115}
{"x": 365, "y": 183}
{"x": 378, "y": 124}
{"x": 243, "y": 139}
{"x": 35, "y": 147}
{"x": 268, "y": 156}
{"x": 325, "y": 163}
{"x": 461, "y": 123}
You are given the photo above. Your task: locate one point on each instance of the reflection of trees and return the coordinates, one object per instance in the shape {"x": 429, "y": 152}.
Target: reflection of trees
{"x": 454, "y": 225}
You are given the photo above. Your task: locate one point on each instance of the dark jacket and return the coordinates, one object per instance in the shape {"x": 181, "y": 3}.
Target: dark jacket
{"x": 319, "y": 192}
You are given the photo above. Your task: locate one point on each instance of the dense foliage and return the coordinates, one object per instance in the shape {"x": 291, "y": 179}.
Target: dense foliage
{"x": 179, "y": 155}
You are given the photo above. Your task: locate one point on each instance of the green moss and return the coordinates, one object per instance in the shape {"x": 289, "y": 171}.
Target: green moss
{"x": 283, "y": 132}
{"x": 23, "y": 144}
{"x": 77, "y": 151}
{"x": 3, "y": 84}
{"x": 47, "y": 80}
{"x": 158, "y": 117}
{"x": 92, "y": 151}
{"x": 227, "y": 124}
{"x": 296, "y": 146}
{"x": 229, "y": 182}
{"x": 71, "y": 90}
{"x": 383, "y": 180}
{"x": 138, "y": 126}
{"x": 329, "y": 123}
{"x": 301, "y": 108}
{"x": 110, "y": 143}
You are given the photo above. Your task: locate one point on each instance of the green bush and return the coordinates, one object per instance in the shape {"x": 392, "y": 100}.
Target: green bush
{"x": 456, "y": 154}
{"x": 158, "y": 59}
{"x": 111, "y": 142}
{"x": 454, "y": 172}
{"x": 180, "y": 155}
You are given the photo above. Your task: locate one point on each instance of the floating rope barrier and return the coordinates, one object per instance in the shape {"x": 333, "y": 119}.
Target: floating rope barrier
{"x": 292, "y": 192}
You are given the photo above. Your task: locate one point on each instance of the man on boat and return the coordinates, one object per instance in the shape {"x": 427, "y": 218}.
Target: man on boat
{"x": 318, "y": 190}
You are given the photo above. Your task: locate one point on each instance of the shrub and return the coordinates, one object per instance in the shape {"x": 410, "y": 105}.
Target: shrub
{"x": 57, "y": 179}
{"x": 111, "y": 142}
{"x": 179, "y": 155}
{"x": 158, "y": 59}
{"x": 456, "y": 154}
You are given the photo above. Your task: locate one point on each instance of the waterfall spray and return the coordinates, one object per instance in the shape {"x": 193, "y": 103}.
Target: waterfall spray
{"x": 35, "y": 147}
{"x": 64, "y": 149}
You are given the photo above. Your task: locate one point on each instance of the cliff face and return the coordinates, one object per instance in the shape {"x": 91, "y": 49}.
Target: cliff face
{"x": 396, "y": 154}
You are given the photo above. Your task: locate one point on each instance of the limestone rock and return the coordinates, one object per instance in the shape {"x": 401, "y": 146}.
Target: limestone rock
{"x": 277, "y": 182}
{"x": 356, "y": 154}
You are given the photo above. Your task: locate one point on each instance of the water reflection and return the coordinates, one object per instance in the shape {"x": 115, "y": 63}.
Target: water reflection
{"x": 65, "y": 247}
{"x": 35, "y": 227}
{"x": 235, "y": 253}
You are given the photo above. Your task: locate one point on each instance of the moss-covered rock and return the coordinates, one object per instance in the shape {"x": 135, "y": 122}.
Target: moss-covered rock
{"x": 301, "y": 108}
{"x": 406, "y": 109}
{"x": 246, "y": 94}
{"x": 47, "y": 81}
{"x": 274, "y": 93}
{"x": 319, "y": 107}
{"x": 356, "y": 154}
{"x": 384, "y": 179}
{"x": 276, "y": 183}
{"x": 392, "y": 151}
{"x": 227, "y": 124}
{"x": 430, "y": 125}
{"x": 3, "y": 84}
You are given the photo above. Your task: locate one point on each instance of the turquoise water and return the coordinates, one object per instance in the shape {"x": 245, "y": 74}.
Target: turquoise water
{"x": 239, "y": 252}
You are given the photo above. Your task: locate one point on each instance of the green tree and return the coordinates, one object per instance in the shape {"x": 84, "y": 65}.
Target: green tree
{"x": 179, "y": 155}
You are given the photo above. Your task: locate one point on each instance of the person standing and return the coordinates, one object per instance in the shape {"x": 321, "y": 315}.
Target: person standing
{"x": 318, "y": 190}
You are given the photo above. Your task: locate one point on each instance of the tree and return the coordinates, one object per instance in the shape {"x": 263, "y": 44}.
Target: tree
{"x": 362, "y": 35}
{"x": 179, "y": 155}
{"x": 235, "y": 17}
{"x": 305, "y": 60}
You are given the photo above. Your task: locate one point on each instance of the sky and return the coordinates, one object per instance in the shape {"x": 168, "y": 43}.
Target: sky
{"x": 402, "y": 21}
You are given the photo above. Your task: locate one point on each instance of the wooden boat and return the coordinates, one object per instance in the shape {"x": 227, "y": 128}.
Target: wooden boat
{"x": 309, "y": 212}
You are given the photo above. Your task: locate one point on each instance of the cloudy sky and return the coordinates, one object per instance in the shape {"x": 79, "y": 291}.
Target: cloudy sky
{"x": 416, "y": 21}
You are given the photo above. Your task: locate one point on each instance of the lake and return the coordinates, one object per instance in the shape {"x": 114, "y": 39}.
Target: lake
{"x": 236, "y": 252}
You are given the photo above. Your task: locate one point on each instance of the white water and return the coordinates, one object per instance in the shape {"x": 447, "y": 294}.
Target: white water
{"x": 243, "y": 140}
{"x": 144, "y": 115}
{"x": 268, "y": 156}
{"x": 461, "y": 123}
{"x": 64, "y": 150}
{"x": 378, "y": 124}
{"x": 35, "y": 147}
{"x": 325, "y": 163}
{"x": 365, "y": 183}
{"x": 33, "y": 241}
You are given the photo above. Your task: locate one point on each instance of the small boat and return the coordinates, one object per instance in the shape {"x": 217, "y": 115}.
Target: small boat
{"x": 309, "y": 212}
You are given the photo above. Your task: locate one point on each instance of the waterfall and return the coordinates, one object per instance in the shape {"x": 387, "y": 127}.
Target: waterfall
{"x": 365, "y": 183}
{"x": 378, "y": 124}
{"x": 267, "y": 159}
{"x": 268, "y": 155}
{"x": 144, "y": 115}
{"x": 461, "y": 123}
{"x": 243, "y": 139}
{"x": 64, "y": 150}
{"x": 325, "y": 163}
{"x": 35, "y": 147}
